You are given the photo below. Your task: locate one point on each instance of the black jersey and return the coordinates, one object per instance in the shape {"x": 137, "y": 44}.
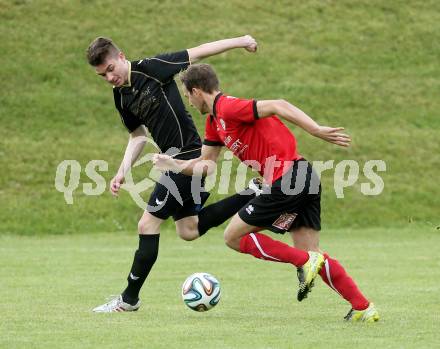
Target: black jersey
{"x": 151, "y": 98}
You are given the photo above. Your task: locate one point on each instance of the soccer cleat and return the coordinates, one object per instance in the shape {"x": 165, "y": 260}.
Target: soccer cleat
{"x": 117, "y": 304}
{"x": 368, "y": 315}
{"x": 256, "y": 185}
{"x": 308, "y": 272}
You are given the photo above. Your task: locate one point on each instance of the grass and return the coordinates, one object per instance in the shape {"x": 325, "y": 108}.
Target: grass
{"x": 50, "y": 283}
{"x": 371, "y": 66}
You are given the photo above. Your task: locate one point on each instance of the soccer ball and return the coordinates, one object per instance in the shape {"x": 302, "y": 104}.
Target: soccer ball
{"x": 201, "y": 291}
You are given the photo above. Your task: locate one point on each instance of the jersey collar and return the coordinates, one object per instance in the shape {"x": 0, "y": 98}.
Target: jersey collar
{"x": 215, "y": 104}
{"x": 128, "y": 84}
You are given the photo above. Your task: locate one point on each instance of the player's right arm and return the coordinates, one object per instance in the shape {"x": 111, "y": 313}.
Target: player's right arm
{"x": 216, "y": 47}
{"x": 135, "y": 145}
{"x": 201, "y": 166}
{"x": 296, "y": 116}
{"x": 163, "y": 67}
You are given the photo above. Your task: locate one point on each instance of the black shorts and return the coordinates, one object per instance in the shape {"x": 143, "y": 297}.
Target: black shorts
{"x": 292, "y": 201}
{"x": 172, "y": 196}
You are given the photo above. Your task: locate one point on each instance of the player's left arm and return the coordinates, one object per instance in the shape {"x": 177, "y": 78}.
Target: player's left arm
{"x": 213, "y": 48}
{"x": 296, "y": 116}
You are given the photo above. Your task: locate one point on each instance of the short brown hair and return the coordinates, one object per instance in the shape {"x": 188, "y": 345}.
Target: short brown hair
{"x": 100, "y": 49}
{"x": 200, "y": 76}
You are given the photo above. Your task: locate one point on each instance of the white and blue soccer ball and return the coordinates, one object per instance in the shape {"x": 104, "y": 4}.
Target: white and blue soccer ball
{"x": 201, "y": 291}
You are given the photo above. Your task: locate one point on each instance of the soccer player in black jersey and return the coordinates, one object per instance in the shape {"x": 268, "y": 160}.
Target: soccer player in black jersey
{"x": 147, "y": 97}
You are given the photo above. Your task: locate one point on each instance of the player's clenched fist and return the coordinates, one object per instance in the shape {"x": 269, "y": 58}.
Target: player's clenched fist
{"x": 115, "y": 184}
{"x": 163, "y": 162}
{"x": 250, "y": 44}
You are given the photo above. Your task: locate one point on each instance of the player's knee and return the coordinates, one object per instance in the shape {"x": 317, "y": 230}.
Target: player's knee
{"x": 230, "y": 240}
{"x": 146, "y": 225}
{"x": 188, "y": 234}
{"x": 187, "y": 229}
{"x": 142, "y": 226}
{"x": 229, "y": 243}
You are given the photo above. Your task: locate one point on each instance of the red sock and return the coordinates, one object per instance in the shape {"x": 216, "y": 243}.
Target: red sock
{"x": 263, "y": 247}
{"x": 337, "y": 278}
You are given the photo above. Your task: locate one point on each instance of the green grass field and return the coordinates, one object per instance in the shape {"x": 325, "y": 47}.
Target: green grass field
{"x": 50, "y": 283}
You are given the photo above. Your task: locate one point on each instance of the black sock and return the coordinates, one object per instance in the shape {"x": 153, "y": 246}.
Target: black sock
{"x": 143, "y": 261}
{"x": 215, "y": 214}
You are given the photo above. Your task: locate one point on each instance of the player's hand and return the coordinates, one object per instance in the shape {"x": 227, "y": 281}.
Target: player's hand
{"x": 333, "y": 135}
{"x": 115, "y": 184}
{"x": 163, "y": 162}
{"x": 250, "y": 44}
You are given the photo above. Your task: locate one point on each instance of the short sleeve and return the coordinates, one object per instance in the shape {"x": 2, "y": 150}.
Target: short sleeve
{"x": 163, "y": 67}
{"x": 130, "y": 121}
{"x": 237, "y": 109}
{"x": 211, "y": 136}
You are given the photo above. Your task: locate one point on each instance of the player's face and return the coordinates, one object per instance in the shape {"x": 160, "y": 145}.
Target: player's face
{"x": 114, "y": 70}
{"x": 196, "y": 100}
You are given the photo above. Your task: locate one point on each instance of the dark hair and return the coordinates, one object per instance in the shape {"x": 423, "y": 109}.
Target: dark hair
{"x": 100, "y": 49}
{"x": 200, "y": 76}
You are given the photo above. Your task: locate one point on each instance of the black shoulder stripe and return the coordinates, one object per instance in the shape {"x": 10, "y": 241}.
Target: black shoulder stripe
{"x": 254, "y": 105}
{"x": 212, "y": 143}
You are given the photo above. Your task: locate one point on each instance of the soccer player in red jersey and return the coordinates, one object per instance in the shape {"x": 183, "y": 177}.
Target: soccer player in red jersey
{"x": 290, "y": 202}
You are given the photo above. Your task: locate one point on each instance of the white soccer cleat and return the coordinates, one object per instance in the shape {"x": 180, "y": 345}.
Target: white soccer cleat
{"x": 117, "y": 305}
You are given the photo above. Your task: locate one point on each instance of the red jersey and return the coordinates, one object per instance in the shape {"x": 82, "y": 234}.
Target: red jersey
{"x": 266, "y": 144}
